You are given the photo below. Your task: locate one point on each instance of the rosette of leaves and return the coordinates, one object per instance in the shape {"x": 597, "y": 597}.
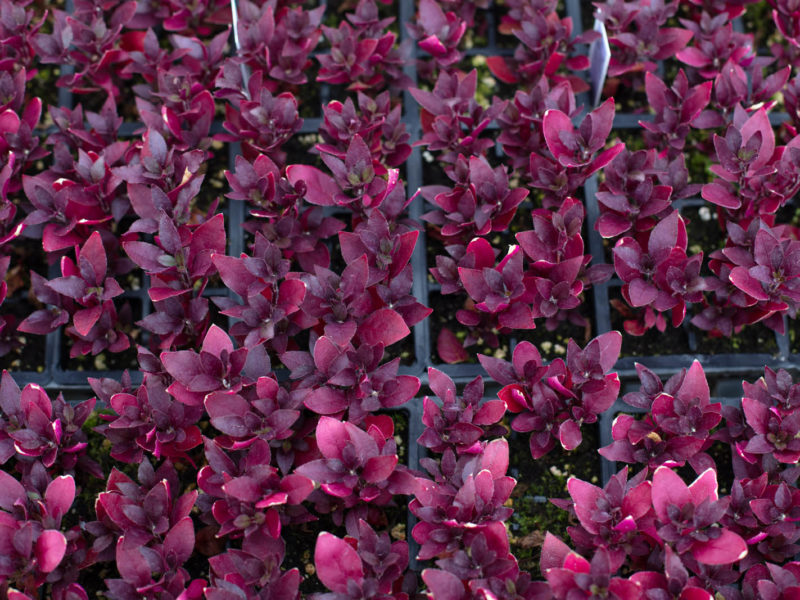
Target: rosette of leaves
{"x": 439, "y": 33}
{"x": 502, "y": 291}
{"x": 368, "y": 565}
{"x": 546, "y": 44}
{"x": 555, "y": 400}
{"x": 33, "y": 544}
{"x": 451, "y": 118}
{"x": 148, "y": 529}
{"x": 613, "y": 517}
{"x": 357, "y": 468}
{"x": 677, "y": 428}
{"x": 638, "y": 37}
{"x": 572, "y": 154}
{"x": 459, "y": 423}
{"x": 698, "y": 550}
{"x": 216, "y": 367}
{"x": 247, "y": 495}
{"x": 659, "y": 276}
{"x": 85, "y": 291}
{"x": 376, "y": 121}
{"x": 92, "y": 42}
{"x": 465, "y": 499}
{"x": 520, "y": 123}
{"x": 764, "y": 429}
{"x": 275, "y": 43}
{"x": 253, "y": 570}
{"x": 481, "y": 201}
{"x": 629, "y": 199}
{"x": 263, "y": 122}
{"x": 363, "y": 53}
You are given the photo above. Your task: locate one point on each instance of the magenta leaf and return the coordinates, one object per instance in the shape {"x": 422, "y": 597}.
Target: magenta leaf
{"x": 444, "y": 585}
{"x": 449, "y": 348}
{"x": 179, "y": 542}
{"x": 569, "y": 434}
{"x": 726, "y": 549}
{"x": 50, "y": 548}
{"x": 11, "y": 491}
{"x": 59, "y": 496}
{"x": 336, "y": 563}
{"x": 320, "y": 188}
{"x": 384, "y": 326}
{"x": 668, "y": 489}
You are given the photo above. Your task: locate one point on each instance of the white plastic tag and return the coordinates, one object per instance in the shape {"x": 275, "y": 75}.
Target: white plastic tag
{"x": 599, "y": 57}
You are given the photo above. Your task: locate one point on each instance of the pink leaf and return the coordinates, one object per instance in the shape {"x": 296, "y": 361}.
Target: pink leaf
{"x": 495, "y": 457}
{"x": 656, "y": 91}
{"x": 726, "y": 549}
{"x": 449, "y": 347}
{"x": 741, "y": 278}
{"x": 554, "y": 552}
{"x": 668, "y": 488}
{"x": 131, "y": 564}
{"x": 500, "y": 69}
{"x": 95, "y": 256}
{"x": 490, "y": 412}
{"x": 336, "y": 563}
{"x": 11, "y": 491}
{"x": 59, "y": 496}
{"x": 216, "y": 341}
{"x": 85, "y": 319}
{"x": 718, "y": 194}
{"x": 444, "y": 585}
{"x": 326, "y": 401}
{"x": 569, "y": 434}
{"x": 670, "y": 41}
{"x": 554, "y": 123}
{"x": 605, "y": 157}
{"x": 757, "y": 414}
{"x": 403, "y": 251}
{"x": 331, "y": 437}
{"x": 664, "y": 236}
{"x": 320, "y": 188}
{"x": 384, "y": 326}
{"x": 440, "y": 383}
{"x": 704, "y": 487}
{"x": 148, "y": 256}
{"x": 693, "y": 57}
{"x": 759, "y": 123}
{"x": 695, "y": 385}
{"x": 179, "y": 542}
{"x": 433, "y": 45}
{"x": 432, "y": 15}
{"x": 378, "y": 468}
{"x": 297, "y": 487}
{"x": 585, "y": 496}
{"x": 483, "y": 252}
{"x": 50, "y": 548}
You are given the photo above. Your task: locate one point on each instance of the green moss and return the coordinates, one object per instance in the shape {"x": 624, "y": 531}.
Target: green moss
{"x": 537, "y": 482}
{"x": 528, "y": 525}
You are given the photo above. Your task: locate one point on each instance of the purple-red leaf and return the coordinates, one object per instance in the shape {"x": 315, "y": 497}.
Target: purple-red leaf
{"x": 726, "y": 549}
{"x": 384, "y": 326}
{"x": 320, "y": 188}
{"x": 336, "y": 563}
{"x": 50, "y": 548}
